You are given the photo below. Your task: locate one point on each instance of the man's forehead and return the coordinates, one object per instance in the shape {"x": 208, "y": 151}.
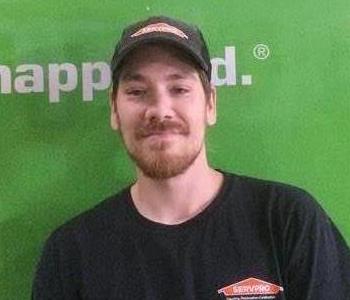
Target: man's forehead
{"x": 135, "y": 75}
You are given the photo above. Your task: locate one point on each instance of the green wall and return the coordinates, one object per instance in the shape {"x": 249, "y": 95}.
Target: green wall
{"x": 60, "y": 157}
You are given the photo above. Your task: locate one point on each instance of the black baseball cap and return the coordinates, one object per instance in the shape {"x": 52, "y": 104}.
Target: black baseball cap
{"x": 162, "y": 29}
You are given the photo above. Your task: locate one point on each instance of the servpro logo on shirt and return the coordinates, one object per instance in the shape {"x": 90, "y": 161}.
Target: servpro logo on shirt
{"x": 256, "y": 288}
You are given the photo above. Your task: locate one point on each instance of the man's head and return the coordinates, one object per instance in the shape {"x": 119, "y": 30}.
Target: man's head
{"x": 161, "y": 98}
{"x": 162, "y": 29}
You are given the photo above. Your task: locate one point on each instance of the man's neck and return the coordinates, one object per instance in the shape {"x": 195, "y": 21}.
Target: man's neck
{"x": 180, "y": 198}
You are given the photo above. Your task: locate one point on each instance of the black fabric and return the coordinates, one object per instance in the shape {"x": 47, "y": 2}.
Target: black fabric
{"x": 158, "y": 29}
{"x": 252, "y": 229}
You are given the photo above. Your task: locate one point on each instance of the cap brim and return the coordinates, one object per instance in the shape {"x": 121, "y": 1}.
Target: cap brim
{"x": 127, "y": 50}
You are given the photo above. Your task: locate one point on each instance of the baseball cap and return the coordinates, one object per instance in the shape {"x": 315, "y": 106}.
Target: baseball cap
{"x": 162, "y": 29}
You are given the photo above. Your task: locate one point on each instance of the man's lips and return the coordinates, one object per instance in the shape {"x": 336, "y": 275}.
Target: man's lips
{"x": 161, "y": 133}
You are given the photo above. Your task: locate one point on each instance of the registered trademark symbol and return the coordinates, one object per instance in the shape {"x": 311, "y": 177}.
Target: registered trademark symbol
{"x": 261, "y": 51}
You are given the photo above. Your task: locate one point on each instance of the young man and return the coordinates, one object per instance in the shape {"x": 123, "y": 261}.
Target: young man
{"x": 184, "y": 230}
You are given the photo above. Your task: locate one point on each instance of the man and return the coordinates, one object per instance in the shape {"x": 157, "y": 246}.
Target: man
{"x": 184, "y": 230}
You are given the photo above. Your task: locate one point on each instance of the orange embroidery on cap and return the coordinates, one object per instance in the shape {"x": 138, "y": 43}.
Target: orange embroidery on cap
{"x": 160, "y": 27}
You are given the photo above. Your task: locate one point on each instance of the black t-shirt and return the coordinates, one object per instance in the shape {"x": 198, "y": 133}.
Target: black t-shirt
{"x": 256, "y": 240}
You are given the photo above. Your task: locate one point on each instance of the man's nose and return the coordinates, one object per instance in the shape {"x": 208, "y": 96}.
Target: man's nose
{"x": 161, "y": 106}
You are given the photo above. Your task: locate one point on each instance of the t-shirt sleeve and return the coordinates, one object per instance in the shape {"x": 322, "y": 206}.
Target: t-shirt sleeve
{"x": 57, "y": 275}
{"x": 316, "y": 257}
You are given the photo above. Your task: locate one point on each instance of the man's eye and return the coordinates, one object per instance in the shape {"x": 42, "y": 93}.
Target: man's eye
{"x": 136, "y": 92}
{"x": 180, "y": 90}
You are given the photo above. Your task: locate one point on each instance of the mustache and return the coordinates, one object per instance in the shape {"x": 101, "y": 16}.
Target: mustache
{"x": 158, "y": 127}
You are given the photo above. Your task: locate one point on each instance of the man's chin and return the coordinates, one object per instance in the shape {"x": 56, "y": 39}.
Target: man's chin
{"x": 160, "y": 143}
{"x": 161, "y": 168}
{"x": 161, "y": 173}
{"x": 163, "y": 164}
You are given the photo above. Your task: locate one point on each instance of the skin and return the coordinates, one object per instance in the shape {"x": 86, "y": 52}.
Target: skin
{"x": 162, "y": 112}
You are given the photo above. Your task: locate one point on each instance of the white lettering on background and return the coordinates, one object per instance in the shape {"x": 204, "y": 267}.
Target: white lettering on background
{"x": 95, "y": 76}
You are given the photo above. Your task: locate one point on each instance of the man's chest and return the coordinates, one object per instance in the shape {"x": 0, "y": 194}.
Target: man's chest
{"x": 202, "y": 265}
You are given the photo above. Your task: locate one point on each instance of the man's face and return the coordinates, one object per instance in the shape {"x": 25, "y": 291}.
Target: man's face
{"x": 161, "y": 111}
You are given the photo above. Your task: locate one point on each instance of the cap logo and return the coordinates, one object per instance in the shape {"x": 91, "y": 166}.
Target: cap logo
{"x": 160, "y": 27}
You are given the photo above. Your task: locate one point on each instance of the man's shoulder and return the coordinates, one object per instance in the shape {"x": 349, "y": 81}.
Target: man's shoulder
{"x": 275, "y": 194}
{"x": 107, "y": 214}
{"x": 279, "y": 206}
{"x": 256, "y": 184}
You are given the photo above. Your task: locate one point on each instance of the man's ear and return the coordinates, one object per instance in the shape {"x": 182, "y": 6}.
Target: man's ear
{"x": 211, "y": 107}
{"x": 113, "y": 107}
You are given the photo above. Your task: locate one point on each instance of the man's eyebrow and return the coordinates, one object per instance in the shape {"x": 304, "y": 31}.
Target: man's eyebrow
{"x": 179, "y": 76}
{"x": 132, "y": 77}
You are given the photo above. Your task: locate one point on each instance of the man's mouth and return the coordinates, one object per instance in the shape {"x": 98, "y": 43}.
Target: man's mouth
{"x": 160, "y": 133}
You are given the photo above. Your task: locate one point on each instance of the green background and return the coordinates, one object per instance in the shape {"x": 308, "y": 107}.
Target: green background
{"x": 58, "y": 159}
